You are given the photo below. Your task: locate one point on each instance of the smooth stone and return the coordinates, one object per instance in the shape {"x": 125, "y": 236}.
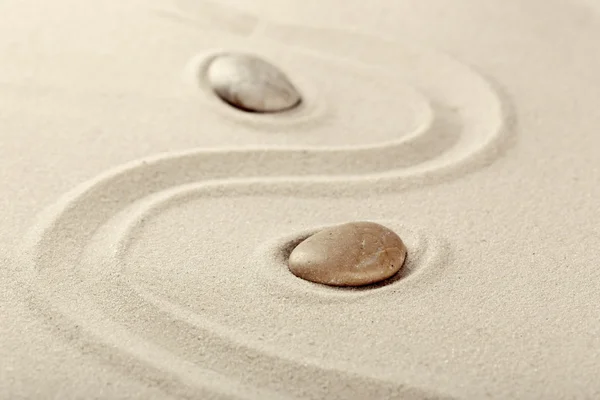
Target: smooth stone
{"x": 251, "y": 84}
{"x": 352, "y": 254}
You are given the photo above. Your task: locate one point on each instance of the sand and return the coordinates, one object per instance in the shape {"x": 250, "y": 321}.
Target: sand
{"x": 146, "y": 224}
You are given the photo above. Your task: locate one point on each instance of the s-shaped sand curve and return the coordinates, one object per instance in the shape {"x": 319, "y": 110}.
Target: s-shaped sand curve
{"x": 81, "y": 249}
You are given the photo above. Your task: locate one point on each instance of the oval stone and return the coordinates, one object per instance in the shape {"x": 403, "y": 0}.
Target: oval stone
{"x": 251, "y": 84}
{"x": 352, "y": 254}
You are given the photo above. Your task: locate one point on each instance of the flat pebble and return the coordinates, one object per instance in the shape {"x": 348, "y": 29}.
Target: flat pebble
{"x": 251, "y": 84}
{"x": 352, "y": 254}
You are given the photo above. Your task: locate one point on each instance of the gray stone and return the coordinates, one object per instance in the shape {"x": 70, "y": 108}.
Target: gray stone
{"x": 251, "y": 84}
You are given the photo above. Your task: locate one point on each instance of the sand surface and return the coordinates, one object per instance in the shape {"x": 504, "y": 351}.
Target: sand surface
{"x": 145, "y": 224}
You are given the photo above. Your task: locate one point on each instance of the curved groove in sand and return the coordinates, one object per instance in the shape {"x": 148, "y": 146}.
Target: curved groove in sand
{"x": 134, "y": 299}
{"x": 317, "y": 107}
{"x": 427, "y": 252}
{"x": 455, "y": 136}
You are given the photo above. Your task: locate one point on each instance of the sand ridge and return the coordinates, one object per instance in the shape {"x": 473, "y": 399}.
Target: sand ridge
{"x": 451, "y": 134}
{"x": 172, "y": 267}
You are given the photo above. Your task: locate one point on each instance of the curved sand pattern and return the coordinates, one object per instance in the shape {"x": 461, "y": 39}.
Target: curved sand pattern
{"x": 94, "y": 273}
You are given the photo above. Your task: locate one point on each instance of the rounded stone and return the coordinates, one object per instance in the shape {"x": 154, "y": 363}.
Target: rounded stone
{"x": 251, "y": 84}
{"x": 352, "y": 254}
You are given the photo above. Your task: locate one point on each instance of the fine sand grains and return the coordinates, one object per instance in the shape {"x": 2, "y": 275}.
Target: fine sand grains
{"x": 147, "y": 225}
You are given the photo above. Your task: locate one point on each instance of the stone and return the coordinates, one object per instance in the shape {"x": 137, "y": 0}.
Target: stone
{"x": 352, "y": 254}
{"x": 251, "y": 84}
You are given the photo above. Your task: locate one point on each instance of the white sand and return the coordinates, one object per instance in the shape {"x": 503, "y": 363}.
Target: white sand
{"x": 145, "y": 224}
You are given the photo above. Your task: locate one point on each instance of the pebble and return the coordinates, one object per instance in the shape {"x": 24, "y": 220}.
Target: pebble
{"x": 251, "y": 84}
{"x": 352, "y": 254}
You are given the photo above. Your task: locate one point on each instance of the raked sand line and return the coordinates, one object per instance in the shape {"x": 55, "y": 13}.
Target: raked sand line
{"x": 427, "y": 252}
{"x": 195, "y": 341}
{"x": 99, "y": 298}
{"x": 80, "y": 245}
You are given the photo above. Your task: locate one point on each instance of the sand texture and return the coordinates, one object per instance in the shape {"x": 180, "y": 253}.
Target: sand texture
{"x": 146, "y": 224}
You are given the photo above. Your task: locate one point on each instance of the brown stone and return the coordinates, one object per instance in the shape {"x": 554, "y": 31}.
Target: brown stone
{"x": 352, "y": 254}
